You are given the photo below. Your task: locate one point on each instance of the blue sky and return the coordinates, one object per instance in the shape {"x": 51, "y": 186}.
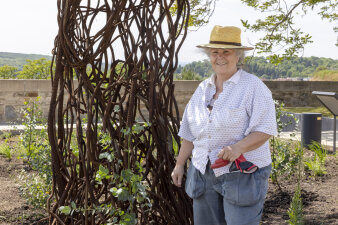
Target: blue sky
{"x": 30, "y": 27}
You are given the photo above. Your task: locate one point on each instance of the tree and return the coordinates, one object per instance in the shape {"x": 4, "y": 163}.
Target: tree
{"x": 281, "y": 32}
{"x": 36, "y": 69}
{"x": 189, "y": 74}
{"x": 279, "y": 27}
{"x": 8, "y": 72}
{"x": 200, "y": 12}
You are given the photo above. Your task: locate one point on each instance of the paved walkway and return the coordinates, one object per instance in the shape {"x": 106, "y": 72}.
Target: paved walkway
{"x": 327, "y": 136}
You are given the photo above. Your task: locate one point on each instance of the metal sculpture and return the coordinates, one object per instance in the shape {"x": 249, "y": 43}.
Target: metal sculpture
{"x": 103, "y": 79}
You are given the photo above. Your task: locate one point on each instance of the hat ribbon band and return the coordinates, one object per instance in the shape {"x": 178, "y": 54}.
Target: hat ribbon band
{"x": 225, "y": 43}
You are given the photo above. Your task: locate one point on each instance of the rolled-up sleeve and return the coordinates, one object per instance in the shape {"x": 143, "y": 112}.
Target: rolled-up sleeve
{"x": 262, "y": 113}
{"x": 185, "y": 131}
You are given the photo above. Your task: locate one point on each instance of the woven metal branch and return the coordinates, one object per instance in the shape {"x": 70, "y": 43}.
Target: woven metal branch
{"x": 107, "y": 80}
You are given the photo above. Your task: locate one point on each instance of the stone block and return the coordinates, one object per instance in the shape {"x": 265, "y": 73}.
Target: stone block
{"x": 44, "y": 86}
{"x": 31, "y": 85}
{"x": 11, "y": 114}
{"x": 12, "y": 85}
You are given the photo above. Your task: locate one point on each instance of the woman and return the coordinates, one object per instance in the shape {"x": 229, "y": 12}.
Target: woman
{"x": 228, "y": 120}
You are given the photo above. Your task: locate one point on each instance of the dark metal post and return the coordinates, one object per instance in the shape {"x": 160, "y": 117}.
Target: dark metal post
{"x": 330, "y": 101}
{"x": 334, "y": 134}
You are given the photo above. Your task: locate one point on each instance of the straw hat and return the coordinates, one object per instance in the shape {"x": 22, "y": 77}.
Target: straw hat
{"x": 225, "y": 37}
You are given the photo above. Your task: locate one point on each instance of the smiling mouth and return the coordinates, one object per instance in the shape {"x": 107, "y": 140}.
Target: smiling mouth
{"x": 220, "y": 64}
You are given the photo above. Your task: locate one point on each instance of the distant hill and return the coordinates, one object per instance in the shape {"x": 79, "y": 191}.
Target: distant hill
{"x": 318, "y": 68}
{"x": 302, "y": 67}
{"x": 19, "y": 59}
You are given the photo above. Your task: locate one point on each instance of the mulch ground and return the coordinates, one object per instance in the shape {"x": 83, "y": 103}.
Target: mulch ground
{"x": 319, "y": 195}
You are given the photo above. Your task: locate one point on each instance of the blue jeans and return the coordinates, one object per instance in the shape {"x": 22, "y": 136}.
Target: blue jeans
{"x": 230, "y": 199}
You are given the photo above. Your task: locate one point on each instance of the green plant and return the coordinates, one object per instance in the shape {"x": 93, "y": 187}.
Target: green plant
{"x": 284, "y": 152}
{"x": 6, "y": 150}
{"x": 280, "y": 112}
{"x": 295, "y": 211}
{"x": 35, "y": 189}
{"x": 37, "y": 152}
{"x": 317, "y": 164}
{"x": 6, "y": 135}
{"x": 127, "y": 187}
{"x": 285, "y": 159}
{"x": 32, "y": 118}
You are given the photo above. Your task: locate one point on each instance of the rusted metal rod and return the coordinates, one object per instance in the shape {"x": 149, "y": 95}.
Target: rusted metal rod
{"x": 112, "y": 57}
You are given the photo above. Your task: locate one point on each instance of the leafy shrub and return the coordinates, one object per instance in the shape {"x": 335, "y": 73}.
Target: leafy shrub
{"x": 35, "y": 189}
{"x": 37, "y": 152}
{"x": 317, "y": 164}
{"x": 285, "y": 159}
{"x": 295, "y": 211}
{"x": 5, "y": 150}
{"x": 284, "y": 152}
{"x": 127, "y": 186}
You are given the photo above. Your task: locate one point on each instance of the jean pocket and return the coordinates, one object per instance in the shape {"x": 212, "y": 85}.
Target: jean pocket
{"x": 242, "y": 189}
{"x": 195, "y": 183}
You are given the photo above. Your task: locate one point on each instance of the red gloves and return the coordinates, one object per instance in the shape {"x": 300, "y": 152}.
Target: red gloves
{"x": 240, "y": 164}
{"x": 219, "y": 163}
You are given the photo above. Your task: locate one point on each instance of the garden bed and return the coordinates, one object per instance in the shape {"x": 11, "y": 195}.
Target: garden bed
{"x": 319, "y": 197}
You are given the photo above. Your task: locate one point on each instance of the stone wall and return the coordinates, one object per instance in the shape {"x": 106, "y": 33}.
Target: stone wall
{"x": 13, "y": 94}
{"x": 299, "y": 93}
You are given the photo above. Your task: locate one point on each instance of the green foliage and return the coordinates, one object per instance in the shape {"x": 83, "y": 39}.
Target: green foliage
{"x": 201, "y": 68}
{"x": 8, "y": 72}
{"x": 295, "y": 211}
{"x": 65, "y": 210}
{"x": 281, "y": 31}
{"x": 188, "y": 74}
{"x": 295, "y": 67}
{"x": 36, "y": 69}
{"x": 280, "y": 111}
{"x": 317, "y": 164}
{"x": 6, "y": 150}
{"x": 32, "y": 117}
{"x": 284, "y": 159}
{"x": 34, "y": 141}
{"x": 261, "y": 67}
{"x": 127, "y": 186}
{"x": 284, "y": 152}
{"x": 35, "y": 190}
{"x": 200, "y": 12}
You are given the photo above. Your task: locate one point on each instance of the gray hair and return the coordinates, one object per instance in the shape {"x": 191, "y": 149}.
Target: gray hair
{"x": 239, "y": 52}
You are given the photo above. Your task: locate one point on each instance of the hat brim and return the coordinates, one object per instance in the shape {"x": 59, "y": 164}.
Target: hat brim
{"x": 245, "y": 48}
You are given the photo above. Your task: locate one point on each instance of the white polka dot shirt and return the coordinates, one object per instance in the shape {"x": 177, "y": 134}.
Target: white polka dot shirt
{"x": 245, "y": 105}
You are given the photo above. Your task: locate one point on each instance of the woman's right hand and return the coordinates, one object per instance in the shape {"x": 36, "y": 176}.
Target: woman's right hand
{"x": 177, "y": 175}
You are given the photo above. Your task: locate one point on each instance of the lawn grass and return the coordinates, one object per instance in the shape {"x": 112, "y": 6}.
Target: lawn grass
{"x": 321, "y": 110}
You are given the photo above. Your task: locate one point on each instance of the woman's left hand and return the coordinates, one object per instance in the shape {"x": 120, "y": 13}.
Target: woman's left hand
{"x": 230, "y": 153}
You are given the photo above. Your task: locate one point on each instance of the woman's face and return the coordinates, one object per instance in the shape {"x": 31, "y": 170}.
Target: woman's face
{"x": 223, "y": 60}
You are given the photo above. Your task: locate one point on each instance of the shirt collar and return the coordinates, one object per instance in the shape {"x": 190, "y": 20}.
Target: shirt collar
{"x": 233, "y": 79}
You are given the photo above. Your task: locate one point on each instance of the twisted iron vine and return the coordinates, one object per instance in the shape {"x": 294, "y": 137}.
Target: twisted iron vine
{"x": 103, "y": 79}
